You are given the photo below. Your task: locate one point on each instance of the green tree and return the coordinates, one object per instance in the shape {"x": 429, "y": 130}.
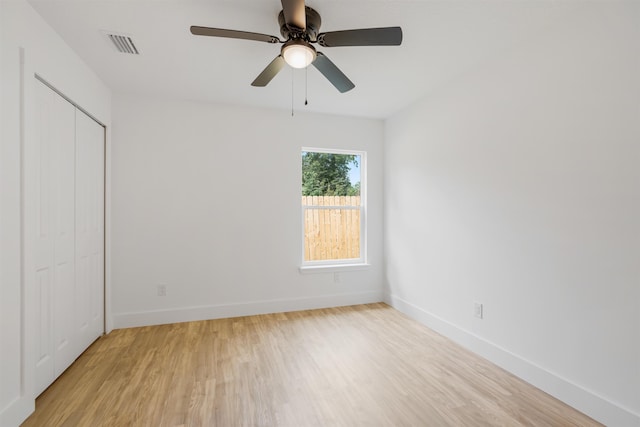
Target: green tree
{"x": 354, "y": 190}
{"x": 327, "y": 174}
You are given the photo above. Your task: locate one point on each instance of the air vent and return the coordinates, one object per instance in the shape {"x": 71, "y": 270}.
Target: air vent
{"x": 123, "y": 43}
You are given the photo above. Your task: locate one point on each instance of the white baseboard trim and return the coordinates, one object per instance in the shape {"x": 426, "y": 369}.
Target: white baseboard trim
{"x": 189, "y": 314}
{"x": 17, "y": 411}
{"x": 586, "y": 401}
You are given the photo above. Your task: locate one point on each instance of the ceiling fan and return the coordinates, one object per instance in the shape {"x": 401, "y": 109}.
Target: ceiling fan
{"x": 300, "y": 25}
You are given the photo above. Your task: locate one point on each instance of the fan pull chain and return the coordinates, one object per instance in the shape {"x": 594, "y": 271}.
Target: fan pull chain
{"x": 291, "y": 91}
{"x": 306, "y": 86}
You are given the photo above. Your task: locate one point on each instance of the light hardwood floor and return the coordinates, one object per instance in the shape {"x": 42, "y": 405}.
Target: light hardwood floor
{"x": 365, "y": 365}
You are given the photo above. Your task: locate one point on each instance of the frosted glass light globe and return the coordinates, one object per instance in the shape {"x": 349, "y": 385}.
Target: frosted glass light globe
{"x": 298, "y": 54}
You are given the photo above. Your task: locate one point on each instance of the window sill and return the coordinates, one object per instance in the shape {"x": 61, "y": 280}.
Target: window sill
{"x": 334, "y": 268}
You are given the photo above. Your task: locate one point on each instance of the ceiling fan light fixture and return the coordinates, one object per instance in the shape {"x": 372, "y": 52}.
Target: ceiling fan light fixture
{"x": 299, "y": 27}
{"x": 298, "y": 53}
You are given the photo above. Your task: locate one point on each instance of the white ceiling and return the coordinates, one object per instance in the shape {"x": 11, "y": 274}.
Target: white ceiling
{"x": 442, "y": 40}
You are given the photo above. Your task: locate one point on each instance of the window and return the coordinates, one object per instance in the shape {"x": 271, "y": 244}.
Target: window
{"x": 333, "y": 207}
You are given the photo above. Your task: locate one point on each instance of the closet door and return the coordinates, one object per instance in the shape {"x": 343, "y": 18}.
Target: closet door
{"x": 68, "y": 251}
{"x": 89, "y": 229}
{"x": 55, "y": 235}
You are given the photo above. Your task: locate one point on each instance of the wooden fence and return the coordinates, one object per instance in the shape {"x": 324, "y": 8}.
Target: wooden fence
{"x": 332, "y": 233}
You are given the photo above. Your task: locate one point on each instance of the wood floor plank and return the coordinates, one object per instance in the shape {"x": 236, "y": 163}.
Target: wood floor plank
{"x": 365, "y": 365}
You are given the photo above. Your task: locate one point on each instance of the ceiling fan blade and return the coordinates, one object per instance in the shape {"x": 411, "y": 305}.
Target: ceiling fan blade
{"x": 333, "y": 73}
{"x": 270, "y": 72}
{"x": 388, "y": 36}
{"x": 233, "y": 34}
{"x": 294, "y": 13}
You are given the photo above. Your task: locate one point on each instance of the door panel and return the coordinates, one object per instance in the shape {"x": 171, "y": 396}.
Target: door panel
{"x": 63, "y": 142}
{"x": 44, "y": 262}
{"x": 44, "y": 359}
{"x": 90, "y": 227}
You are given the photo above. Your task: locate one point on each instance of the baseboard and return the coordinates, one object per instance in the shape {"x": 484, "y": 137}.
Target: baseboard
{"x": 586, "y": 401}
{"x": 16, "y": 412}
{"x": 189, "y": 314}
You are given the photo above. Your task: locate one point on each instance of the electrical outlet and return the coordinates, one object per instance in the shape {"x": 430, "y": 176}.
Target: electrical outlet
{"x": 162, "y": 291}
{"x": 477, "y": 310}
{"x": 336, "y": 277}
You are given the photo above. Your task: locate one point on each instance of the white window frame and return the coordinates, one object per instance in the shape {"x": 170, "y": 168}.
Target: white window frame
{"x": 340, "y": 264}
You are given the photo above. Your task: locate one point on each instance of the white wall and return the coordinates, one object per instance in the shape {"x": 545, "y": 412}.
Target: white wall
{"x": 206, "y": 201}
{"x": 518, "y": 186}
{"x": 22, "y": 30}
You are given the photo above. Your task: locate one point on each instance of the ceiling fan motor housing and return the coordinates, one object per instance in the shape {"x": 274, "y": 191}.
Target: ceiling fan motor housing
{"x": 308, "y": 34}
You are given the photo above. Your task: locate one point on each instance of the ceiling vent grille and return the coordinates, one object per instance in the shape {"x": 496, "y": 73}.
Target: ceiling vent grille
{"x": 123, "y": 43}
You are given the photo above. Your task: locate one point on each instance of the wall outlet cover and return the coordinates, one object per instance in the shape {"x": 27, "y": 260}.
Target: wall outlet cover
{"x": 478, "y": 310}
{"x": 162, "y": 290}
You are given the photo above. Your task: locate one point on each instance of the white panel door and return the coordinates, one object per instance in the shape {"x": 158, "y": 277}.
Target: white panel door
{"x": 68, "y": 172}
{"x": 43, "y": 245}
{"x": 55, "y": 235}
{"x": 89, "y": 229}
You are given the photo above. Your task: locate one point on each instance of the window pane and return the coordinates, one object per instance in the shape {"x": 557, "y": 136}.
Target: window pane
{"x": 332, "y": 206}
{"x": 331, "y": 234}
{"x": 330, "y": 174}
